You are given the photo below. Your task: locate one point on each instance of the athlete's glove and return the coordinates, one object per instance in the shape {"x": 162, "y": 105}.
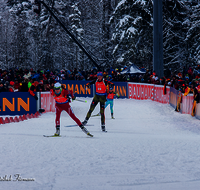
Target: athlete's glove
{"x": 74, "y": 98}
{"x": 88, "y": 86}
{"x": 69, "y": 99}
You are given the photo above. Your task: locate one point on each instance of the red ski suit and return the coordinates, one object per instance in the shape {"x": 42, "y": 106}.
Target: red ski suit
{"x": 62, "y": 103}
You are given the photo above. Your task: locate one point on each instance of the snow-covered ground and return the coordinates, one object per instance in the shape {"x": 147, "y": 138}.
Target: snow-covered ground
{"x": 148, "y": 146}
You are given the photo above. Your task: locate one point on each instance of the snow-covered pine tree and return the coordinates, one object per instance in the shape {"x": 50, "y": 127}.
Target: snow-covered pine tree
{"x": 193, "y": 36}
{"x": 19, "y": 21}
{"x": 4, "y": 40}
{"x": 175, "y": 49}
{"x": 97, "y": 31}
{"x": 133, "y": 34}
{"x": 53, "y": 43}
{"x": 78, "y": 31}
{"x": 61, "y": 51}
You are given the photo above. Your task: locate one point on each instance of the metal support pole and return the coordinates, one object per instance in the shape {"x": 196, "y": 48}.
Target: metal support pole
{"x": 157, "y": 38}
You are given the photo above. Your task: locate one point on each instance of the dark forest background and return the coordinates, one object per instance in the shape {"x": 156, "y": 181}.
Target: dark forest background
{"x": 116, "y": 33}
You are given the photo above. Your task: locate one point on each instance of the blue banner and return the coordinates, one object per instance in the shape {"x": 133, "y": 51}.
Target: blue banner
{"x": 121, "y": 88}
{"x": 79, "y": 88}
{"x": 17, "y": 103}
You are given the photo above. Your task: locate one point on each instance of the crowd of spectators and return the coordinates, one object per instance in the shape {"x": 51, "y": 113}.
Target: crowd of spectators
{"x": 18, "y": 79}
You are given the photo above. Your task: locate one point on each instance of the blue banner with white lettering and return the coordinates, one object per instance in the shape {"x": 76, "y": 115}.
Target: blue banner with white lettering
{"x": 17, "y": 103}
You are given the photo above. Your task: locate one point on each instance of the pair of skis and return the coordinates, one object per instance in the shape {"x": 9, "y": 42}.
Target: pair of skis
{"x": 88, "y": 134}
{"x": 52, "y": 136}
{"x": 83, "y": 129}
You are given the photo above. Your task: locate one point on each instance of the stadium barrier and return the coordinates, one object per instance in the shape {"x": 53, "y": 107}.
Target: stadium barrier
{"x": 47, "y": 102}
{"x": 18, "y": 103}
{"x": 153, "y": 92}
{"x": 19, "y": 118}
{"x": 197, "y": 114}
{"x": 23, "y": 104}
{"x": 141, "y": 91}
{"x": 186, "y": 101}
{"x": 187, "y": 104}
{"x": 173, "y": 97}
{"x": 79, "y": 89}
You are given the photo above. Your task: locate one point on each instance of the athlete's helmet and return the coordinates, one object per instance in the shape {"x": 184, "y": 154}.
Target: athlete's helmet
{"x": 99, "y": 74}
{"x": 57, "y": 86}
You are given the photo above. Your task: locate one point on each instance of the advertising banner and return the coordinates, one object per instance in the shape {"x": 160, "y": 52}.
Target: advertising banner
{"x": 159, "y": 96}
{"x": 187, "y": 103}
{"x": 153, "y": 92}
{"x": 47, "y": 102}
{"x": 79, "y": 88}
{"x": 121, "y": 88}
{"x": 17, "y": 103}
{"x": 141, "y": 91}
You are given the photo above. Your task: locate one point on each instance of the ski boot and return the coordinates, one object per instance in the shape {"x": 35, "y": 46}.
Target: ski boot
{"x": 85, "y": 122}
{"x": 103, "y": 128}
{"x": 57, "y": 133}
{"x": 112, "y": 116}
{"x": 86, "y": 131}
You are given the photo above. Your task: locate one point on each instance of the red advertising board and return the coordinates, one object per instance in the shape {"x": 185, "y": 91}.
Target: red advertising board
{"x": 148, "y": 91}
{"x": 140, "y": 91}
{"x": 159, "y": 96}
{"x": 47, "y": 102}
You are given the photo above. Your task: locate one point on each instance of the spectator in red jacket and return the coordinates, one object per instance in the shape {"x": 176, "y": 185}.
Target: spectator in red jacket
{"x": 33, "y": 89}
{"x": 11, "y": 87}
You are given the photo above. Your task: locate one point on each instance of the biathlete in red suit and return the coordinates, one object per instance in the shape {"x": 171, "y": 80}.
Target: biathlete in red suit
{"x": 100, "y": 96}
{"x": 61, "y": 97}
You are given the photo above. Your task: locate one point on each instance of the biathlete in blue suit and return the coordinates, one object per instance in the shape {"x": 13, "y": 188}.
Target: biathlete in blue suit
{"x": 109, "y": 100}
{"x": 110, "y": 97}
